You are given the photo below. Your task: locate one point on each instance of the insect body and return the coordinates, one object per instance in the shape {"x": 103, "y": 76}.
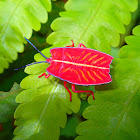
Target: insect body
{"x": 78, "y": 66}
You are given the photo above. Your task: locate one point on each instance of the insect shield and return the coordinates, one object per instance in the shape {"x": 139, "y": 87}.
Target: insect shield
{"x": 78, "y": 66}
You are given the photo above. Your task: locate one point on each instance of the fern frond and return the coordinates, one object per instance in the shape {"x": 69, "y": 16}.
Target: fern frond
{"x": 17, "y": 19}
{"x": 43, "y": 106}
{"x": 115, "y": 112}
{"x": 95, "y": 23}
{"x": 45, "y": 102}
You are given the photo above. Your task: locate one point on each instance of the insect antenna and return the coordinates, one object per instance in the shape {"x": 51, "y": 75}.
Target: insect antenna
{"x": 36, "y": 48}
{"x": 30, "y": 64}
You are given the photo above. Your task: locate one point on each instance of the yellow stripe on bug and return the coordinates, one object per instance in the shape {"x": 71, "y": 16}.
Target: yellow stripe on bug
{"x": 104, "y": 62}
{"x": 77, "y": 74}
{"x": 83, "y": 75}
{"x": 79, "y": 64}
{"x": 85, "y": 56}
{"x": 92, "y": 57}
{"x": 66, "y": 69}
{"x": 97, "y": 75}
{"x": 68, "y": 55}
{"x": 94, "y": 62}
{"x": 103, "y": 74}
{"x": 90, "y": 76}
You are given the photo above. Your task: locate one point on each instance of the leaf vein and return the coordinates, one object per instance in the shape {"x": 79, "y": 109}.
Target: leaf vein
{"x": 6, "y": 25}
{"x": 123, "y": 112}
{"x": 92, "y": 18}
{"x": 50, "y": 96}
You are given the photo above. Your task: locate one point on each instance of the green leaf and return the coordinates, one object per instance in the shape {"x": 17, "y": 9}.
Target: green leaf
{"x": 17, "y": 19}
{"x": 45, "y": 102}
{"x": 115, "y": 112}
{"x": 8, "y": 104}
{"x": 44, "y": 105}
{"x": 95, "y": 23}
{"x": 6, "y": 130}
{"x": 70, "y": 129}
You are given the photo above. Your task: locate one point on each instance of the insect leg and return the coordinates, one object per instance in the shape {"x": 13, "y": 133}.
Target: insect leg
{"x": 80, "y": 45}
{"x": 71, "y": 45}
{"x": 65, "y": 85}
{"x": 44, "y": 74}
{"x": 80, "y": 91}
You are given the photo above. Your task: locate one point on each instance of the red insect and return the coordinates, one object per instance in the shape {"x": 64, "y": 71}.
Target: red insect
{"x": 78, "y": 66}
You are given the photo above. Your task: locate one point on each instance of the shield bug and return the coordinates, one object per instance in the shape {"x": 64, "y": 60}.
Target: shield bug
{"x": 78, "y": 66}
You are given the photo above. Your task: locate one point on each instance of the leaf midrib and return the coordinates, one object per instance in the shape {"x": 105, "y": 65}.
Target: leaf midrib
{"x": 124, "y": 111}
{"x": 90, "y": 21}
{"x": 47, "y": 102}
{"x": 10, "y": 17}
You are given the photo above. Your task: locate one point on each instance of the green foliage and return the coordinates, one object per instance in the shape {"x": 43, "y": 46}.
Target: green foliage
{"x": 17, "y": 19}
{"x": 115, "y": 112}
{"x": 43, "y": 108}
{"x": 44, "y": 103}
{"x": 8, "y": 104}
{"x": 7, "y": 130}
{"x": 38, "y": 39}
{"x": 70, "y": 128}
{"x": 95, "y": 23}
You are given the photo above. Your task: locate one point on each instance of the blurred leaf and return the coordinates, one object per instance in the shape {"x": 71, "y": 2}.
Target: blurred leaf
{"x": 7, "y": 130}
{"x": 70, "y": 129}
{"x": 95, "y": 23}
{"x": 8, "y": 104}
{"x": 115, "y": 112}
{"x": 17, "y": 19}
